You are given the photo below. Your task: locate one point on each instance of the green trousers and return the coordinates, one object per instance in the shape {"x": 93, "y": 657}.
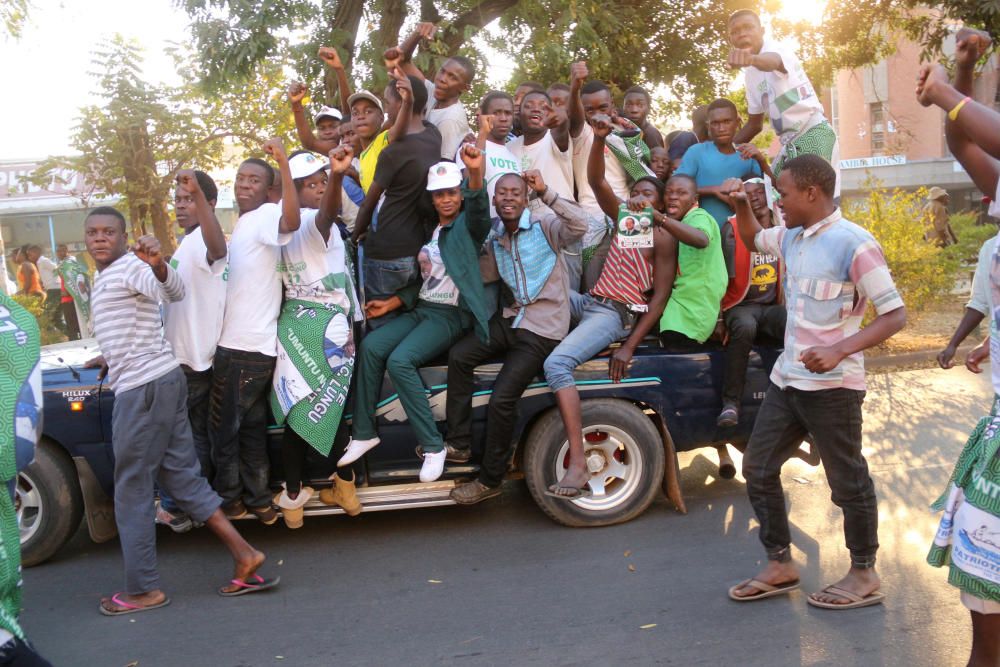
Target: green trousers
{"x": 401, "y": 347}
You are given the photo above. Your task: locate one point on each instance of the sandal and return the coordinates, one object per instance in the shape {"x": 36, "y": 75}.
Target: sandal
{"x": 127, "y": 607}
{"x": 766, "y": 590}
{"x": 856, "y": 601}
{"x": 575, "y": 493}
{"x": 243, "y": 587}
{"x": 267, "y": 515}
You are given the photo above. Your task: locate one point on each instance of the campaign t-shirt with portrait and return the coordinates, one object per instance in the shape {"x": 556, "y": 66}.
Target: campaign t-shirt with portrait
{"x": 253, "y": 291}
{"x": 315, "y": 269}
{"x": 498, "y": 161}
{"x": 451, "y": 122}
{"x": 402, "y": 175}
{"x": 193, "y": 325}
{"x": 788, "y": 99}
{"x": 555, "y": 165}
{"x": 438, "y": 286}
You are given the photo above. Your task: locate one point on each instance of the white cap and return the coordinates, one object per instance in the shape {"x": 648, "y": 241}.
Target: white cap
{"x": 305, "y": 164}
{"x": 444, "y": 175}
{"x": 328, "y": 112}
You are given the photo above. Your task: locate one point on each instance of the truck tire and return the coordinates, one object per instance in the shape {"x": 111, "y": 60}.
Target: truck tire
{"x": 624, "y": 452}
{"x": 49, "y": 503}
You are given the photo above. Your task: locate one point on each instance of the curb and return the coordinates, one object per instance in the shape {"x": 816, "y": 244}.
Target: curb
{"x": 889, "y": 361}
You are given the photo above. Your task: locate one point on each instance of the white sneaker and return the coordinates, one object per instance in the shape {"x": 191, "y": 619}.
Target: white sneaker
{"x": 355, "y": 450}
{"x": 433, "y": 465}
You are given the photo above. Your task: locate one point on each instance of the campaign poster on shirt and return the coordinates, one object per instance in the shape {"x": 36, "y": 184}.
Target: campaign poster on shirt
{"x": 635, "y": 228}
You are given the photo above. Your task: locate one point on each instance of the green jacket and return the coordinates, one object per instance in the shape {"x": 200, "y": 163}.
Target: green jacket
{"x": 460, "y": 242}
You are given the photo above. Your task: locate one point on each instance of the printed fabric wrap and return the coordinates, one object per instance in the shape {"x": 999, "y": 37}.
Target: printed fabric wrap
{"x": 632, "y": 153}
{"x": 21, "y": 418}
{"x": 76, "y": 280}
{"x": 313, "y": 372}
{"x": 527, "y": 265}
{"x": 968, "y": 537}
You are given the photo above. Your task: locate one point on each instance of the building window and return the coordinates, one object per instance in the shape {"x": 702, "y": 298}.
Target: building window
{"x": 876, "y": 114}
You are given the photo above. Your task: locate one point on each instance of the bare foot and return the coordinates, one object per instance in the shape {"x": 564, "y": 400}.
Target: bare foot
{"x": 774, "y": 573}
{"x": 149, "y": 599}
{"x": 930, "y": 79}
{"x": 860, "y": 581}
{"x": 575, "y": 479}
{"x": 245, "y": 566}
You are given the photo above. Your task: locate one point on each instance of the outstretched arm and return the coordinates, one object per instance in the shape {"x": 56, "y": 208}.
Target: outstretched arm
{"x": 331, "y": 57}
{"x": 753, "y": 126}
{"x": 578, "y": 73}
{"x": 972, "y": 118}
{"x": 296, "y": 92}
{"x": 211, "y": 230}
{"x": 605, "y": 196}
{"x": 329, "y": 205}
{"x": 746, "y": 222}
{"x": 290, "y": 213}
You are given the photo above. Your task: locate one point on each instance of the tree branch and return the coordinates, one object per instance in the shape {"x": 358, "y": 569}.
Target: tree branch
{"x": 477, "y": 17}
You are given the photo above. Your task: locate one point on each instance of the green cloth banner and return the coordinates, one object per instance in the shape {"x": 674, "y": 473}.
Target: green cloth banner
{"x": 313, "y": 370}
{"x": 76, "y": 280}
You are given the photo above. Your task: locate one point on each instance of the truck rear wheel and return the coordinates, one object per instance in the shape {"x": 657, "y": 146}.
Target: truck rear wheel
{"x": 624, "y": 455}
{"x": 48, "y": 502}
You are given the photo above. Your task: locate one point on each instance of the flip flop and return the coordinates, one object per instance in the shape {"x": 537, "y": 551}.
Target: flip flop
{"x": 766, "y": 590}
{"x": 577, "y": 494}
{"x": 128, "y": 607}
{"x": 244, "y": 587}
{"x": 856, "y": 601}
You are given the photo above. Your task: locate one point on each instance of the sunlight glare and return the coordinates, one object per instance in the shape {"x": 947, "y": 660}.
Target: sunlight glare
{"x": 803, "y": 10}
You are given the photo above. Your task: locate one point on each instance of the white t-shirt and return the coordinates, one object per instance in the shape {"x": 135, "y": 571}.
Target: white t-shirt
{"x": 499, "y": 161}
{"x": 438, "y": 286}
{"x": 788, "y": 99}
{"x": 47, "y": 273}
{"x": 314, "y": 269}
{"x": 451, "y": 122}
{"x": 556, "y": 166}
{"x": 193, "y": 325}
{"x": 614, "y": 173}
{"x": 253, "y": 294}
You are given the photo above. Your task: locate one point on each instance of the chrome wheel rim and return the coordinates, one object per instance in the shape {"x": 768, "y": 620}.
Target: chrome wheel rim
{"x": 28, "y": 504}
{"x": 615, "y": 464}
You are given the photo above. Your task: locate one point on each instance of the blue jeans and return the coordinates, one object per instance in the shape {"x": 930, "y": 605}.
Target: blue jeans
{"x": 598, "y": 325}
{"x": 385, "y": 277}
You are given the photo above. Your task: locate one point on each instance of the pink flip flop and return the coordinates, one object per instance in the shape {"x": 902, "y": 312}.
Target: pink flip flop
{"x": 244, "y": 587}
{"x": 128, "y": 607}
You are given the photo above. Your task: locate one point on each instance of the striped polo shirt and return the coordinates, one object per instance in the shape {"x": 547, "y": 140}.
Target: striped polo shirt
{"x": 627, "y": 276}
{"x": 126, "y": 305}
{"x": 832, "y": 270}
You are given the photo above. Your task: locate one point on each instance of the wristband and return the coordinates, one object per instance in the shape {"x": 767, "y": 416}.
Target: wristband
{"x": 953, "y": 114}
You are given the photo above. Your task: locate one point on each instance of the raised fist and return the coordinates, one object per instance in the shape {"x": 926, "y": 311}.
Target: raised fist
{"x": 296, "y": 92}
{"x": 275, "y": 148}
{"x": 188, "y": 182}
{"x": 340, "y": 159}
{"x": 330, "y": 56}
{"x": 147, "y": 248}
{"x": 533, "y": 178}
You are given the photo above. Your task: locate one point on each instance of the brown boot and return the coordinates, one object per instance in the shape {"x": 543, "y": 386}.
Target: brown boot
{"x": 342, "y": 493}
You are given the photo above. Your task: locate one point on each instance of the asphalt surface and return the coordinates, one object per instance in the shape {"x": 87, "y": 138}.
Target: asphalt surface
{"x": 501, "y": 584}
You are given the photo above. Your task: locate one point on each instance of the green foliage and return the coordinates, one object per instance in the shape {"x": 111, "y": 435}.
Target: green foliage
{"x": 13, "y": 14}
{"x": 971, "y": 237}
{"x": 897, "y": 219}
{"x": 135, "y": 141}
{"x": 48, "y": 331}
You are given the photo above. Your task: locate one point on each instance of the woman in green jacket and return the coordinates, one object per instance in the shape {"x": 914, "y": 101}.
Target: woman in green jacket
{"x": 449, "y": 301}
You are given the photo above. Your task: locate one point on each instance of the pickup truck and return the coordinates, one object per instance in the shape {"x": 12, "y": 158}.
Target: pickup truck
{"x": 633, "y": 431}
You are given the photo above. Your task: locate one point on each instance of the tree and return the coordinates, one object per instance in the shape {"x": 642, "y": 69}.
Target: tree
{"x": 134, "y": 143}
{"x": 13, "y": 14}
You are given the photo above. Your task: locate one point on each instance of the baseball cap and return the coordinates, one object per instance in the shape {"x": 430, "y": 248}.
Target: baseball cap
{"x": 444, "y": 175}
{"x": 305, "y": 164}
{"x": 328, "y": 112}
{"x": 365, "y": 95}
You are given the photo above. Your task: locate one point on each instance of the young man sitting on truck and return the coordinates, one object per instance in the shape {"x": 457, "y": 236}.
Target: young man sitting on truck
{"x": 528, "y": 257}
{"x": 818, "y": 384}
{"x": 752, "y": 304}
{"x": 626, "y": 302}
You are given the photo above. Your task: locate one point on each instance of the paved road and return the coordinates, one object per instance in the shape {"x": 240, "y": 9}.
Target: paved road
{"x": 515, "y": 589}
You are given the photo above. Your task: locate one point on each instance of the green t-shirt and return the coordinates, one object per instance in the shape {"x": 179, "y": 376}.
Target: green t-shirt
{"x": 701, "y": 281}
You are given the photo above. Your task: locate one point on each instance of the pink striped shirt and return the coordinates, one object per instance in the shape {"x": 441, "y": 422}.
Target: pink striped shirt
{"x": 626, "y": 277}
{"x": 832, "y": 270}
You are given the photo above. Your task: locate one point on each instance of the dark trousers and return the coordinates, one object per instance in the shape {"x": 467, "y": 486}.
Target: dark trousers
{"x": 237, "y": 425}
{"x": 199, "y": 384}
{"x": 16, "y": 653}
{"x": 293, "y": 459}
{"x": 525, "y": 352}
{"x": 72, "y": 323}
{"x": 745, "y": 322}
{"x": 833, "y": 417}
